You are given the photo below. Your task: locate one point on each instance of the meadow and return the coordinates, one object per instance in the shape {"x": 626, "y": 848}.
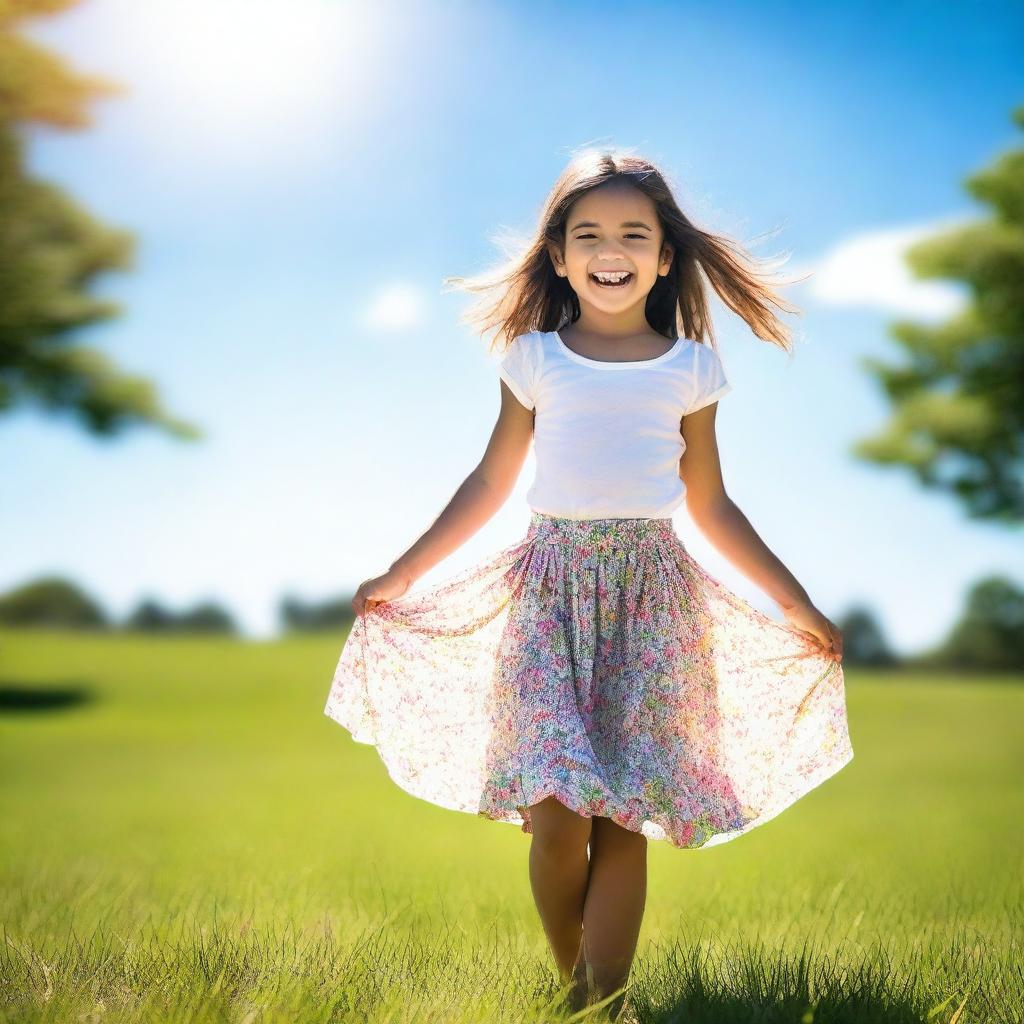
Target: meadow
{"x": 184, "y": 836}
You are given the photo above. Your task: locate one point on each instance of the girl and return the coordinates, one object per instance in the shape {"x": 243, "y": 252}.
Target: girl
{"x": 592, "y": 683}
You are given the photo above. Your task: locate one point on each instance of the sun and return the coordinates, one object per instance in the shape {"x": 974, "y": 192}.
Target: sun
{"x": 242, "y": 74}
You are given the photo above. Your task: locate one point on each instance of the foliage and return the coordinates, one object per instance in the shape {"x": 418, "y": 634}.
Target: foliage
{"x": 327, "y": 615}
{"x": 52, "y": 252}
{"x": 55, "y": 602}
{"x": 863, "y": 640}
{"x": 51, "y": 601}
{"x": 990, "y": 634}
{"x": 151, "y": 617}
{"x": 958, "y": 398}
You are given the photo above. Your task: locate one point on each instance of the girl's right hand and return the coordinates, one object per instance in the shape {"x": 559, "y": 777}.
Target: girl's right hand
{"x": 379, "y": 589}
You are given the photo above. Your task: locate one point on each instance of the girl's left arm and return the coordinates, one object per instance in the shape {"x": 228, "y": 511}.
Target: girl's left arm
{"x": 725, "y": 525}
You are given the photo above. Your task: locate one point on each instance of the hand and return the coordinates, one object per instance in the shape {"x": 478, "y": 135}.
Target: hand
{"x": 806, "y": 618}
{"x": 373, "y": 592}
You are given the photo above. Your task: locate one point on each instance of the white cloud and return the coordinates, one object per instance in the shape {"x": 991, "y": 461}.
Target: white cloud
{"x": 869, "y": 270}
{"x": 396, "y": 307}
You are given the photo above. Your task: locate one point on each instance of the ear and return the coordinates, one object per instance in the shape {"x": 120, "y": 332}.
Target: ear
{"x": 667, "y": 255}
{"x": 557, "y": 258}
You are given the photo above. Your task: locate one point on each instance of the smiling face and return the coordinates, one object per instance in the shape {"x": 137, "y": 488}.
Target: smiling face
{"x": 614, "y": 249}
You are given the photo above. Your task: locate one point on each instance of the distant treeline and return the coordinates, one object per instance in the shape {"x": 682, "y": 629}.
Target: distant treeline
{"x": 988, "y": 636}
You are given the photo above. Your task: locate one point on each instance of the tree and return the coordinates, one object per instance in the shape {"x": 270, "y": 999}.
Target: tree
{"x": 53, "y": 602}
{"x": 150, "y": 616}
{"x": 863, "y": 640}
{"x": 206, "y": 617}
{"x": 958, "y": 400}
{"x": 328, "y": 615}
{"x": 51, "y": 252}
{"x": 990, "y": 633}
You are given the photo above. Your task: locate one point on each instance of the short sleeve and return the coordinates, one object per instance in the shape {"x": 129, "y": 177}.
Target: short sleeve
{"x": 518, "y": 369}
{"x": 710, "y": 383}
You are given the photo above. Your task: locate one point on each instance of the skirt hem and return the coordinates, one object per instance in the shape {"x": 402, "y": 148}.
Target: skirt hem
{"x": 694, "y": 834}
{"x": 654, "y": 826}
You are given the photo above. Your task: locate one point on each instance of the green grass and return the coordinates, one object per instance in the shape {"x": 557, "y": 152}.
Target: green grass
{"x": 196, "y": 841}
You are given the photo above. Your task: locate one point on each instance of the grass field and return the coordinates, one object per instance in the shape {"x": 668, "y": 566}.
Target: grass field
{"x": 184, "y": 836}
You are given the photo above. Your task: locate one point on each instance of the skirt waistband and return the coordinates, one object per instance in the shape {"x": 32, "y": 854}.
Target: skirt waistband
{"x": 600, "y": 536}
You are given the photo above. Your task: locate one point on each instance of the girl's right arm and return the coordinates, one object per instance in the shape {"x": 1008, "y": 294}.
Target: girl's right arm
{"x": 478, "y": 497}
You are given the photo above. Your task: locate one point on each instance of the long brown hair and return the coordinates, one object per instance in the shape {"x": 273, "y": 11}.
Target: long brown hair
{"x": 532, "y": 297}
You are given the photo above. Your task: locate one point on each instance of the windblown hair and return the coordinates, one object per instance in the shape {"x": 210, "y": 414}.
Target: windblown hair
{"x": 532, "y": 297}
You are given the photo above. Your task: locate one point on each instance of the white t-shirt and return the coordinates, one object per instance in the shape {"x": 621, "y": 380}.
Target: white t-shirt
{"x": 607, "y": 435}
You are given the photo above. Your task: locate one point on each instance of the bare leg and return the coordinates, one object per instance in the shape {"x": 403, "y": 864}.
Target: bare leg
{"x": 613, "y": 908}
{"x": 558, "y": 875}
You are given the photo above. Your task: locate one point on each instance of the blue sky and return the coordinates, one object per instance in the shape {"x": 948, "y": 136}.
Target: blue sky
{"x": 302, "y": 176}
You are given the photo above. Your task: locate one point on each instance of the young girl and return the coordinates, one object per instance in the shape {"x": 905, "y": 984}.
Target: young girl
{"x": 592, "y": 683}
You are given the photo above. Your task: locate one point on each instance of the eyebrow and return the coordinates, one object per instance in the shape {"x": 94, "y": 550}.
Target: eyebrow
{"x": 624, "y": 224}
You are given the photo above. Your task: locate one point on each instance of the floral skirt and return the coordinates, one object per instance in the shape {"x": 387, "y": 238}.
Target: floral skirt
{"x": 594, "y": 661}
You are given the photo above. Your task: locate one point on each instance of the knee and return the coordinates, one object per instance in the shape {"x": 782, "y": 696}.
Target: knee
{"x": 558, "y": 831}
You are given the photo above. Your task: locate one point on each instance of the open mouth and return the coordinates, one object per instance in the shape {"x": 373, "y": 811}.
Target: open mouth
{"x": 618, "y": 280}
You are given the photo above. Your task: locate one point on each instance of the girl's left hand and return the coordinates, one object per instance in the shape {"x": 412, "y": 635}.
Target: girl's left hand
{"x": 806, "y": 618}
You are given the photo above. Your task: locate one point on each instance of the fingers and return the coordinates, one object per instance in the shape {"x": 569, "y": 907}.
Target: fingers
{"x": 829, "y": 641}
{"x": 835, "y": 637}
{"x": 825, "y": 635}
{"x": 361, "y": 603}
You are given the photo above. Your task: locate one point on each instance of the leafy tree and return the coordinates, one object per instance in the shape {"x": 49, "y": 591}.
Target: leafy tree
{"x": 151, "y": 617}
{"x": 990, "y": 633}
{"x": 863, "y": 641}
{"x": 206, "y": 617}
{"x": 327, "y": 615}
{"x": 52, "y": 250}
{"x": 958, "y": 399}
{"x": 51, "y": 601}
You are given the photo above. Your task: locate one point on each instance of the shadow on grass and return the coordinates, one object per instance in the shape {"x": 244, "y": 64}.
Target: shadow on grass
{"x": 17, "y": 700}
{"x": 205, "y": 972}
{"x": 708, "y": 983}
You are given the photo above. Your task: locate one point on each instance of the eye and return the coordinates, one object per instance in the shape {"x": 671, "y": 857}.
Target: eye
{"x": 632, "y": 234}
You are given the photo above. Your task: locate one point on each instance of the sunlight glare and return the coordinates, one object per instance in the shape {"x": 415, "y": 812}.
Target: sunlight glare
{"x": 245, "y": 73}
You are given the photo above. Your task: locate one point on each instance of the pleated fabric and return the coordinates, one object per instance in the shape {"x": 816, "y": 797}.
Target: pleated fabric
{"x": 597, "y": 662}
